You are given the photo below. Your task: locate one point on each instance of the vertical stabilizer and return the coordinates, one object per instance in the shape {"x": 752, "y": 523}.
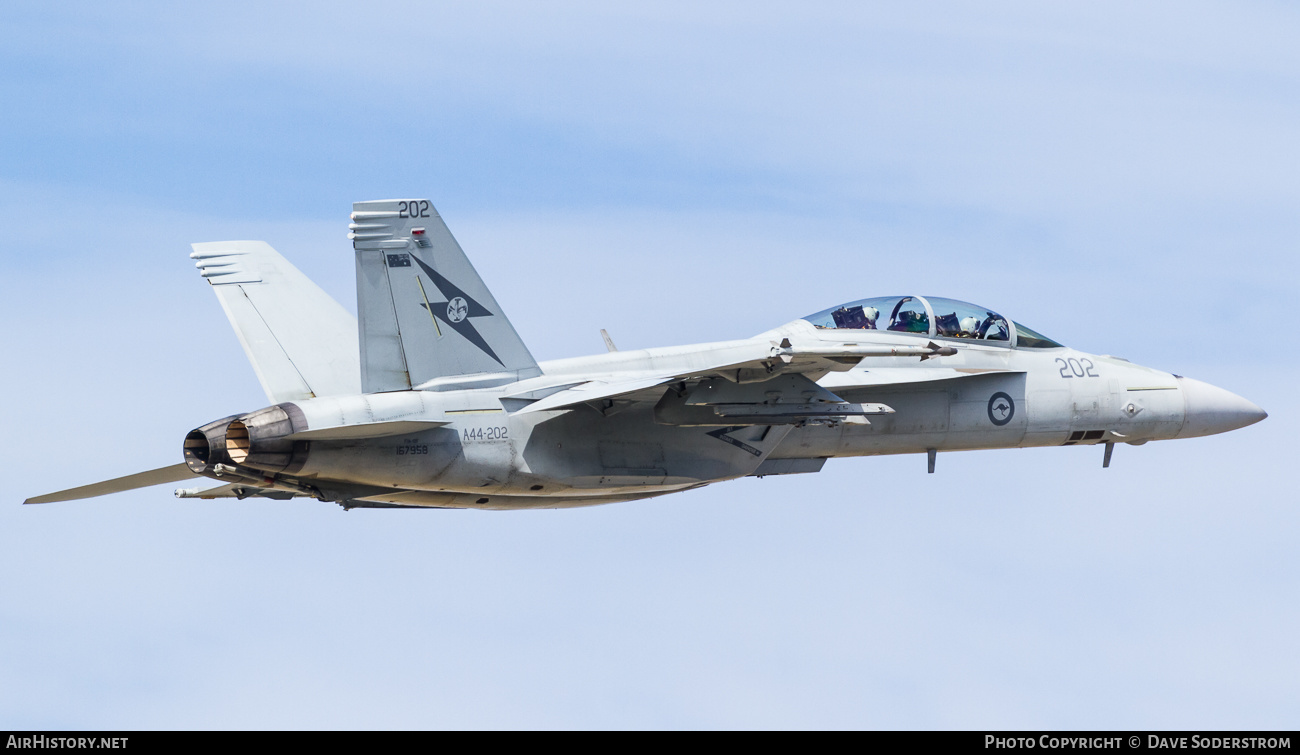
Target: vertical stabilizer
{"x": 423, "y": 311}
{"x": 300, "y": 341}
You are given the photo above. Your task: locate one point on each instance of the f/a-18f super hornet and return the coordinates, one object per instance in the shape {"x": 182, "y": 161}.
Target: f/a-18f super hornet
{"x": 429, "y": 398}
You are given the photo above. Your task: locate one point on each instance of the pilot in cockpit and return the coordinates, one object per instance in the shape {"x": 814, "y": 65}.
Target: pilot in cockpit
{"x": 995, "y": 328}
{"x": 949, "y": 326}
{"x": 859, "y": 318}
{"x": 992, "y": 328}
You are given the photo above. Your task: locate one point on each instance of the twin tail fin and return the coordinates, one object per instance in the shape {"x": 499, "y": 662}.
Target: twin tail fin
{"x": 424, "y": 313}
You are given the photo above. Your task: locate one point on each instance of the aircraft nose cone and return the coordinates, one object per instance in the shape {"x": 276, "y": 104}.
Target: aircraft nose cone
{"x": 1212, "y": 410}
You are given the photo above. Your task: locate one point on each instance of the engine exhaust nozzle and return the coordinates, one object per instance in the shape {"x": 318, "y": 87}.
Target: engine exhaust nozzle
{"x": 263, "y": 439}
{"x": 205, "y": 447}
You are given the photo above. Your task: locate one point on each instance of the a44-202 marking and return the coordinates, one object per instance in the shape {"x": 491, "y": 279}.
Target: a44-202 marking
{"x": 480, "y": 434}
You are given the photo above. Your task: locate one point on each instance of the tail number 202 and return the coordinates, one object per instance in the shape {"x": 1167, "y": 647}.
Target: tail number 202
{"x": 418, "y": 208}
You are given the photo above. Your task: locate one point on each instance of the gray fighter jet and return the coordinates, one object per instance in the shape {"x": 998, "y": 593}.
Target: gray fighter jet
{"x": 431, "y": 400}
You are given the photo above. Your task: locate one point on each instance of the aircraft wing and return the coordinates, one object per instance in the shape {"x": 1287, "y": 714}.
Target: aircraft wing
{"x": 595, "y": 390}
{"x": 782, "y": 358}
{"x": 174, "y": 473}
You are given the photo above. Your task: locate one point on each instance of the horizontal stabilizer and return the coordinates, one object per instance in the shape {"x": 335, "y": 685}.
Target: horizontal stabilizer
{"x": 174, "y": 473}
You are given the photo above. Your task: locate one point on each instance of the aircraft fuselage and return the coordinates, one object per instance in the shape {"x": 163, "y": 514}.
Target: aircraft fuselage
{"x": 429, "y": 397}
{"x": 487, "y": 454}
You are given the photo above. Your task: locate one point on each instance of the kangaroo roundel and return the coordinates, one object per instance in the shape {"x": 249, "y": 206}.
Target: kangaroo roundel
{"x": 1001, "y": 408}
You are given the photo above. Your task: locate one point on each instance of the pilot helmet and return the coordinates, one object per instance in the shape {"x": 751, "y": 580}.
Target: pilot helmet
{"x": 970, "y": 325}
{"x": 871, "y": 313}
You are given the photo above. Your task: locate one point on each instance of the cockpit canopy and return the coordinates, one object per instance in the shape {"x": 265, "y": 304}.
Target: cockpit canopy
{"x": 933, "y": 317}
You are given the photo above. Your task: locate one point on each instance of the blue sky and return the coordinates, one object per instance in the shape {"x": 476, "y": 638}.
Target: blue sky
{"x": 1119, "y": 177}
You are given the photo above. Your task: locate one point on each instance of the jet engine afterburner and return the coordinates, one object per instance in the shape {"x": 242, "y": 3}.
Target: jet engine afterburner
{"x": 205, "y": 447}
{"x": 255, "y": 444}
{"x": 261, "y": 440}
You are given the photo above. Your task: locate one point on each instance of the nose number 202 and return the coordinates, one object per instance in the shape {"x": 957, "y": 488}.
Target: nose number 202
{"x": 1073, "y": 368}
